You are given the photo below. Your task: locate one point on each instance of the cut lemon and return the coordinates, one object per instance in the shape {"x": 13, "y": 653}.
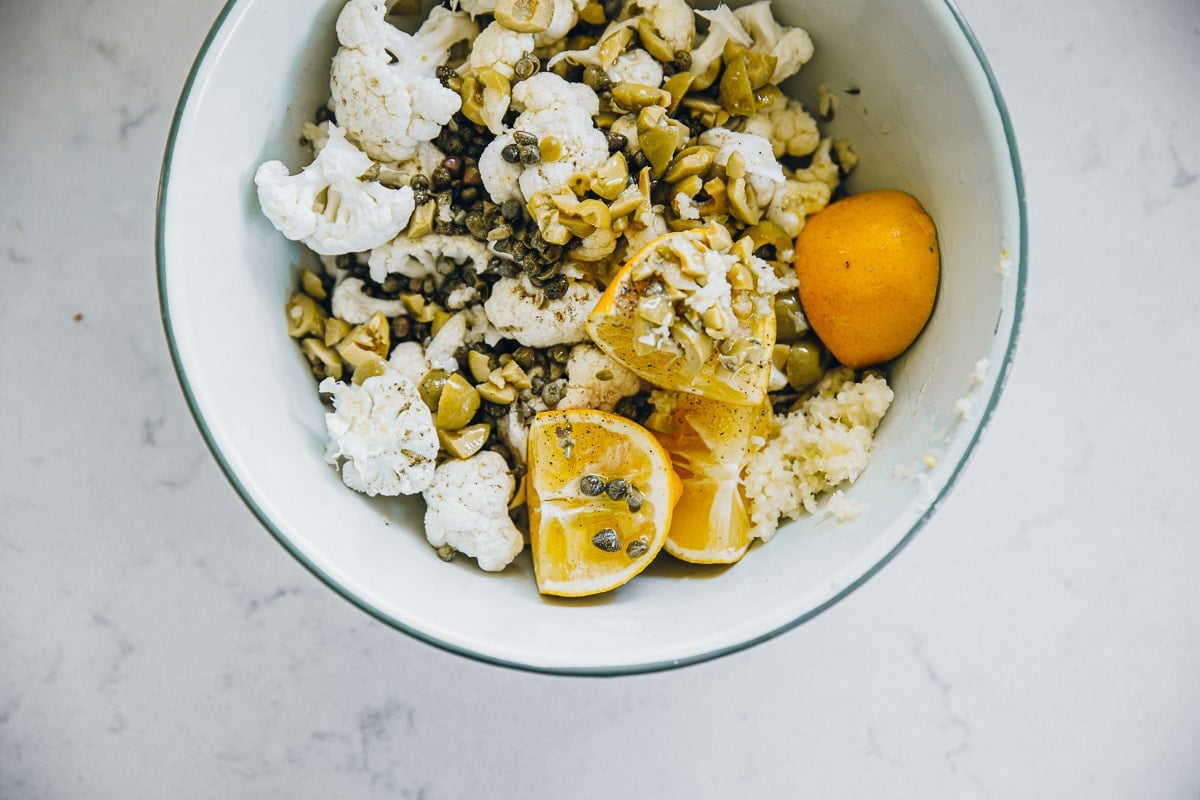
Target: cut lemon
{"x": 691, "y": 312}
{"x": 600, "y": 491}
{"x": 709, "y": 442}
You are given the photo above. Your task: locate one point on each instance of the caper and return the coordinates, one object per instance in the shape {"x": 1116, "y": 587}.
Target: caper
{"x": 524, "y": 138}
{"x": 592, "y": 485}
{"x": 616, "y": 141}
{"x": 804, "y": 364}
{"x": 510, "y": 209}
{"x": 457, "y": 404}
{"x": 511, "y": 153}
{"x": 682, "y": 60}
{"x": 446, "y": 553}
{"x": 596, "y": 79}
{"x": 560, "y": 353}
{"x": 441, "y": 178}
{"x": 637, "y": 548}
{"x": 606, "y": 539}
{"x": 525, "y": 356}
{"x": 616, "y": 488}
{"x": 552, "y": 392}
{"x": 529, "y": 154}
{"x": 527, "y": 67}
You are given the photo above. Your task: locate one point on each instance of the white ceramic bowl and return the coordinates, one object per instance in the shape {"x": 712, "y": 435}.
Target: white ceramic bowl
{"x": 918, "y": 102}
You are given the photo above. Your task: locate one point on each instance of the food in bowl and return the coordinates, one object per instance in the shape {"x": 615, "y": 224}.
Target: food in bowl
{"x": 556, "y": 281}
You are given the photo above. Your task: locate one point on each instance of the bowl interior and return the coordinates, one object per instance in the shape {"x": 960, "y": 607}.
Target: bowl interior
{"x": 916, "y": 101}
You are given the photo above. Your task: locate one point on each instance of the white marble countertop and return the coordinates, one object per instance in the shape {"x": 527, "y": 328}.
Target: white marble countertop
{"x": 1038, "y": 639}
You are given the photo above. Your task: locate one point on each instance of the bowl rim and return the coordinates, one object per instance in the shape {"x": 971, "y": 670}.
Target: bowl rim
{"x": 1019, "y": 273}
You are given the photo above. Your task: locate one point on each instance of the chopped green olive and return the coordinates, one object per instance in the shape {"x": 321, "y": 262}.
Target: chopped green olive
{"x": 371, "y": 339}
{"x": 324, "y": 361}
{"x": 457, "y": 404}
{"x": 368, "y": 369}
{"x": 305, "y": 317}
{"x": 465, "y": 442}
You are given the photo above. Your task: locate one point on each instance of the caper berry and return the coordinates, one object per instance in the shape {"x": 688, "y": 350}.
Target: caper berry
{"x": 591, "y": 485}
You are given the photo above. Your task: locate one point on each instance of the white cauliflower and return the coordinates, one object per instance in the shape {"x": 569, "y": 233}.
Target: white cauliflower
{"x": 790, "y": 129}
{"x": 477, "y": 7}
{"x": 381, "y": 435}
{"x": 562, "y": 20}
{"x": 794, "y": 202}
{"x": 821, "y": 445}
{"x": 723, "y": 27}
{"x": 464, "y": 328}
{"x": 399, "y": 173}
{"x": 383, "y": 80}
{"x": 636, "y": 66}
{"x": 433, "y": 254}
{"x": 805, "y": 193}
{"x": 672, "y": 20}
{"x": 408, "y": 358}
{"x": 519, "y": 311}
{"x": 467, "y": 508}
{"x": 763, "y": 172}
{"x": 351, "y": 303}
{"x": 595, "y": 380}
{"x": 499, "y": 48}
{"x": 327, "y": 205}
{"x": 792, "y": 47}
{"x": 549, "y": 106}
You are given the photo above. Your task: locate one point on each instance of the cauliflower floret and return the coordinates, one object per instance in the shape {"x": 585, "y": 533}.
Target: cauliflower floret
{"x": 805, "y": 193}
{"x": 381, "y": 435}
{"x": 326, "y": 206}
{"x": 499, "y": 48}
{"x": 467, "y": 508}
{"x": 789, "y": 128}
{"x": 636, "y": 66}
{"x": 408, "y": 358}
{"x": 517, "y": 310}
{"x": 821, "y": 445}
{"x": 550, "y": 106}
{"x": 672, "y": 20}
{"x": 562, "y": 20}
{"x": 433, "y": 254}
{"x": 794, "y": 202}
{"x": 351, "y": 303}
{"x": 383, "y": 80}
{"x": 792, "y": 47}
{"x": 400, "y": 173}
{"x": 595, "y": 380}
{"x": 723, "y": 27}
{"x": 763, "y": 172}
